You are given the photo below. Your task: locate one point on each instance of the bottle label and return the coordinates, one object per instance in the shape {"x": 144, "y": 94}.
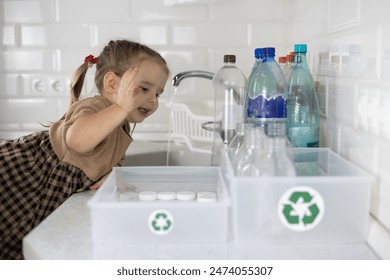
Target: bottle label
{"x": 313, "y": 144}
{"x": 261, "y": 107}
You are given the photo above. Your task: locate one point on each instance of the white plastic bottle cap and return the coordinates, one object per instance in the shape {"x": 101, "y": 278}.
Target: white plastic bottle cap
{"x": 207, "y": 197}
{"x": 127, "y": 196}
{"x": 185, "y": 195}
{"x": 147, "y": 195}
{"x": 166, "y": 195}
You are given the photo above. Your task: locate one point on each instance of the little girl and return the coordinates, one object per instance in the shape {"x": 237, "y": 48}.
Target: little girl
{"x": 40, "y": 171}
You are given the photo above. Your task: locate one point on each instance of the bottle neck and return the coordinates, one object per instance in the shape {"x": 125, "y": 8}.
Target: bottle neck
{"x": 300, "y": 59}
{"x": 229, "y": 63}
{"x": 268, "y": 58}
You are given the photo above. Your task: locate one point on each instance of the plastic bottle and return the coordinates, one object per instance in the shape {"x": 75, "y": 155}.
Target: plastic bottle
{"x": 302, "y": 106}
{"x": 247, "y": 160}
{"x": 282, "y": 60}
{"x": 277, "y": 150}
{"x": 248, "y": 129}
{"x": 237, "y": 141}
{"x": 289, "y": 66}
{"x": 229, "y": 84}
{"x": 258, "y": 52}
{"x": 267, "y": 95}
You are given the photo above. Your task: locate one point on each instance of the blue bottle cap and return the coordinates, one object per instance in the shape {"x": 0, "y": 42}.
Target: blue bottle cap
{"x": 258, "y": 52}
{"x": 269, "y": 51}
{"x": 300, "y": 48}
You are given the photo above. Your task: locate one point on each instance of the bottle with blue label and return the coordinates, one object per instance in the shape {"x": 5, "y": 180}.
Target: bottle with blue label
{"x": 266, "y": 96}
{"x": 303, "y": 113}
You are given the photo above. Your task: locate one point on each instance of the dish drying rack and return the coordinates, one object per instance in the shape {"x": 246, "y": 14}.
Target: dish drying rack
{"x": 191, "y": 129}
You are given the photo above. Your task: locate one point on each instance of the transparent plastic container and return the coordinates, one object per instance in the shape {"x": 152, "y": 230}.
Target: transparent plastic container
{"x": 116, "y": 222}
{"x": 328, "y": 201}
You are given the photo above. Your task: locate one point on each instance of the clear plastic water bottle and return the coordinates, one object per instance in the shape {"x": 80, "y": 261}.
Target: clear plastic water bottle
{"x": 238, "y": 141}
{"x": 244, "y": 147}
{"x": 282, "y": 60}
{"x": 267, "y": 96}
{"x": 229, "y": 84}
{"x": 289, "y": 66}
{"x": 258, "y": 52}
{"x": 249, "y": 161}
{"x": 283, "y": 165}
{"x": 303, "y": 113}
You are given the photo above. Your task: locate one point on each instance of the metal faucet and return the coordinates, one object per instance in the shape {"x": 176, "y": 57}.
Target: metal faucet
{"x": 191, "y": 74}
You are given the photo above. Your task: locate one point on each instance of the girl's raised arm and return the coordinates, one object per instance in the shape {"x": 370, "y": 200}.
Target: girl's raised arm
{"x": 88, "y": 131}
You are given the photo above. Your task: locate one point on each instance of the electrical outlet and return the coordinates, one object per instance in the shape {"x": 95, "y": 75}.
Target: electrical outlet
{"x": 58, "y": 85}
{"x": 39, "y": 85}
{"x": 44, "y": 85}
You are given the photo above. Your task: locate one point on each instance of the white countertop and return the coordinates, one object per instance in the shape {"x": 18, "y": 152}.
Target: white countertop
{"x": 66, "y": 234}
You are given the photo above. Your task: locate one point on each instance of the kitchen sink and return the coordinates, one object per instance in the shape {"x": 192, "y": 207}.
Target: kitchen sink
{"x": 156, "y": 154}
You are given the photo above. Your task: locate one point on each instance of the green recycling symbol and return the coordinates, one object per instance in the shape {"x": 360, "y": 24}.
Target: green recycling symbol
{"x": 161, "y": 222}
{"x": 301, "y": 208}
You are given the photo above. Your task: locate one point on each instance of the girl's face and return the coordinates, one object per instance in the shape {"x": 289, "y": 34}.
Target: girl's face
{"x": 151, "y": 80}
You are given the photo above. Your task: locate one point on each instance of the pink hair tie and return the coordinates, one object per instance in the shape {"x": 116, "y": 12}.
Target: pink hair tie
{"x": 90, "y": 59}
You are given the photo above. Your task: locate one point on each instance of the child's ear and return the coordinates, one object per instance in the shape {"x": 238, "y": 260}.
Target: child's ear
{"x": 110, "y": 82}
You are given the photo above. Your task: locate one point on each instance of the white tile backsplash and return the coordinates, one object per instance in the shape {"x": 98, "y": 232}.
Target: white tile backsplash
{"x": 250, "y": 10}
{"x": 70, "y": 59}
{"x": 152, "y": 10}
{"x": 44, "y": 41}
{"x": 28, "y": 60}
{"x": 9, "y": 85}
{"x": 112, "y": 31}
{"x": 271, "y": 33}
{"x": 9, "y": 35}
{"x": 153, "y": 35}
{"x": 216, "y": 35}
{"x": 342, "y": 100}
{"x": 317, "y": 21}
{"x": 54, "y": 35}
{"x": 344, "y": 14}
{"x": 87, "y": 11}
{"x": 17, "y": 11}
{"x": 384, "y": 113}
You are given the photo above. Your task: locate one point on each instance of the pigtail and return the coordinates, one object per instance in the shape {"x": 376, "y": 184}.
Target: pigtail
{"x": 79, "y": 77}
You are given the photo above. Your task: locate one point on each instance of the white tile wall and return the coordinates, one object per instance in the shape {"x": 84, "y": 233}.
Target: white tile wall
{"x": 88, "y": 11}
{"x": 44, "y": 41}
{"x": 28, "y": 11}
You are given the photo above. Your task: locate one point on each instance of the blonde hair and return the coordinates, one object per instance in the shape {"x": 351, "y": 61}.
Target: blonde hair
{"x": 118, "y": 56}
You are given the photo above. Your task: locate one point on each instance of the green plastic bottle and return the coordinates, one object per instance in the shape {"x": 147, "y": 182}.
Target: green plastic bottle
{"x": 303, "y": 112}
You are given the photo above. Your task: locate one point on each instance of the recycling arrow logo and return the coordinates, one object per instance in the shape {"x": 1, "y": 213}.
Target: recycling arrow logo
{"x": 161, "y": 222}
{"x": 301, "y": 208}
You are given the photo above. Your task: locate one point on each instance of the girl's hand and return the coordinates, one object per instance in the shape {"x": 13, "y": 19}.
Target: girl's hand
{"x": 129, "y": 96}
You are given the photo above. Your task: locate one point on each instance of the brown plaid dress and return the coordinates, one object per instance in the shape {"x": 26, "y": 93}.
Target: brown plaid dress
{"x": 33, "y": 183}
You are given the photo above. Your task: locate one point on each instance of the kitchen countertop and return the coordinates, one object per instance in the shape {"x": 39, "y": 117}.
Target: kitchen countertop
{"x": 66, "y": 234}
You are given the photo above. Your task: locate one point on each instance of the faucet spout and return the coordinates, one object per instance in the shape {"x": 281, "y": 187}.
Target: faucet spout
{"x": 191, "y": 74}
